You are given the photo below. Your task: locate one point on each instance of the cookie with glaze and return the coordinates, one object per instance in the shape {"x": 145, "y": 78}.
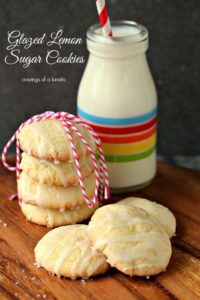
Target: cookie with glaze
{"x": 163, "y": 215}
{"x": 55, "y": 172}
{"x": 134, "y": 242}
{"x": 67, "y": 251}
{"x": 52, "y": 196}
{"x": 48, "y": 140}
{"x": 54, "y": 218}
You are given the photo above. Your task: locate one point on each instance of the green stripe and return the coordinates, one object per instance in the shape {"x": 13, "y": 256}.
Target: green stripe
{"x": 131, "y": 157}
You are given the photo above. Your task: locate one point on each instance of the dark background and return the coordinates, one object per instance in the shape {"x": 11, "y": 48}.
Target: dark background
{"x": 174, "y": 58}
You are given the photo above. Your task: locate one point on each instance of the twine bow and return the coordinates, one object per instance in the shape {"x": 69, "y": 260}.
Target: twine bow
{"x": 101, "y": 173}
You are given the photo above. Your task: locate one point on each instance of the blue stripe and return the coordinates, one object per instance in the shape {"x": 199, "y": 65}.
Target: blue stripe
{"x": 120, "y": 121}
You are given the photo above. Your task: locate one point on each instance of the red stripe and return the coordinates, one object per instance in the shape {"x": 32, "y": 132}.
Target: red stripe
{"x": 103, "y": 16}
{"x": 124, "y": 130}
{"x": 127, "y": 139}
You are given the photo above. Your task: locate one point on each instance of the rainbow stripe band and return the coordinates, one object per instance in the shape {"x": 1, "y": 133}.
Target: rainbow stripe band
{"x": 125, "y": 140}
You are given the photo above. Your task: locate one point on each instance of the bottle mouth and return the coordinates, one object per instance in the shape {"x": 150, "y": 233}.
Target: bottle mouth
{"x": 123, "y": 32}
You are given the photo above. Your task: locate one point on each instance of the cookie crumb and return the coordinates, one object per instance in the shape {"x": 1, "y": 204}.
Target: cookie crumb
{"x": 83, "y": 281}
{"x": 33, "y": 277}
{"x": 38, "y": 296}
{"x": 44, "y": 296}
{"x": 16, "y": 294}
{"x": 17, "y": 282}
{"x": 37, "y": 265}
{"x": 5, "y": 225}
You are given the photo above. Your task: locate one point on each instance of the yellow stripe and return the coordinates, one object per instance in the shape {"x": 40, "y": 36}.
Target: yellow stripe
{"x": 110, "y": 149}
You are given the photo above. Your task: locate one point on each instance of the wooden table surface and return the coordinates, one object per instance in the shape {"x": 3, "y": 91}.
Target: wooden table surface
{"x": 175, "y": 187}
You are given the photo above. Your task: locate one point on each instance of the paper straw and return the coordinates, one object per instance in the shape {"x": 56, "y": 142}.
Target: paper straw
{"x": 103, "y": 17}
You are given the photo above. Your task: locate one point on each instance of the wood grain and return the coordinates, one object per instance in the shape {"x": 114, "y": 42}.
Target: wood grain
{"x": 177, "y": 188}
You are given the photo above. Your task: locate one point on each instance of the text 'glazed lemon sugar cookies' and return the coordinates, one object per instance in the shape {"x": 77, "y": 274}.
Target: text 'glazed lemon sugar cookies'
{"x": 132, "y": 240}
{"x": 67, "y": 251}
{"x": 162, "y": 214}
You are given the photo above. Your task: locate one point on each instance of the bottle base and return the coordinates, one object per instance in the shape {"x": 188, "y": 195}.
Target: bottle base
{"x": 131, "y": 188}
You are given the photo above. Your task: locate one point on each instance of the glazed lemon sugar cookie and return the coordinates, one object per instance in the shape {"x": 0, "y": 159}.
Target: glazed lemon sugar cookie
{"x": 163, "y": 215}
{"x": 57, "y": 172}
{"x": 67, "y": 251}
{"x": 133, "y": 241}
{"x": 48, "y": 140}
{"x": 54, "y": 218}
{"x": 52, "y": 196}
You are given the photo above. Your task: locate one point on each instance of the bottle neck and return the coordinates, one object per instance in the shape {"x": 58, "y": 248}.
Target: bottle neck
{"x": 129, "y": 39}
{"x": 117, "y": 51}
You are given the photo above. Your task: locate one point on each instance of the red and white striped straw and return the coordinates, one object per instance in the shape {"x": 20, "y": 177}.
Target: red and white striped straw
{"x": 101, "y": 172}
{"x": 103, "y": 17}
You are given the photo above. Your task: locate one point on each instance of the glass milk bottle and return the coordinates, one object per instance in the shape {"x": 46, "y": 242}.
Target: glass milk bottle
{"x": 117, "y": 97}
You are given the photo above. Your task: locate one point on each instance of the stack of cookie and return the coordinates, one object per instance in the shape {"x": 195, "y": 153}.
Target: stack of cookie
{"x": 49, "y": 186}
{"x": 132, "y": 235}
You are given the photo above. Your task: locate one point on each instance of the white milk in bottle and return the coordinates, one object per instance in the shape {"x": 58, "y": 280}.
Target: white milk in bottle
{"x": 117, "y": 97}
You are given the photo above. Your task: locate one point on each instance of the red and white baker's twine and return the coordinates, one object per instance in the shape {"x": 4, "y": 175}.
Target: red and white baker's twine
{"x": 68, "y": 121}
{"x": 103, "y": 17}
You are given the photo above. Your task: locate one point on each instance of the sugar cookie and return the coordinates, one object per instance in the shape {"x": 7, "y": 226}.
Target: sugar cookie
{"x": 54, "y": 218}
{"x": 163, "y": 215}
{"x": 55, "y": 173}
{"x": 51, "y": 196}
{"x": 133, "y": 241}
{"x": 48, "y": 140}
{"x": 67, "y": 251}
